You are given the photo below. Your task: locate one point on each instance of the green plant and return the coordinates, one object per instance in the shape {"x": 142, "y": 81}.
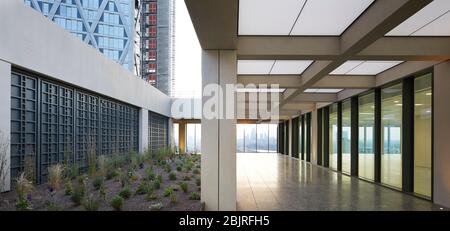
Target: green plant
{"x": 97, "y": 182}
{"x": 30, "y": 166}
{"x": 74, "y": 171}
{"x": 102, "y": 192}
{"x": 168, "y": 191}
{"x": 91, "y": 204}
{"x": 196, "y": 171}
{"x": 23, "y": 188}
{"x": 117, "y": 203}
{"x": 179, "y": 168}
{"x": 194, "y": 196}
{"x": 172, "y": 176}
{"x": 102, "y": 165}
{"x": 92, "y": 156}
{"x": 150, "y": 175}
{"x": 156, "y": 184}
{"x": 151, "y": 196}
{"x": 167, "y": 168}
{"x": 134, "y": 160}
{"x": 173, "y": 198}
{"x": 111, "y": 173}
{"x": 143, "y": 188}
{"x": 186, "y": 178}
{"x": 125, "y": 192}
{"x": 124, "y": 178}
{"x": 78, "y": 194}
{"x": 184, "y": 186}
{"x": 68, "y": 187}
{"x": 198, "y": 181}
{"x": 159, "y": 178}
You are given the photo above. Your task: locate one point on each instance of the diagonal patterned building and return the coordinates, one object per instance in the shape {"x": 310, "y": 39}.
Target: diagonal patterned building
{"x": 106, "y": 25}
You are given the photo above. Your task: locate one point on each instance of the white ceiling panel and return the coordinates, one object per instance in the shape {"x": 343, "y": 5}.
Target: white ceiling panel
{"x": 260, "y": 90}
{"x": 432, "y": 20}
{"x": 328, "y": 17}
{"x": 346, "y": 67}
{"x": 254, "y": 67}
{"x": 322, "y": 90}
{"x": 268, "y": 17}
{"x": 290, "y": 67}
{"x": 364, "y": 67}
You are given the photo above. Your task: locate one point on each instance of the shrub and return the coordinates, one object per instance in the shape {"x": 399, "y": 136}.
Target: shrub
{"x": 117, "y": 203}
{"x": 149, "y": 174}
{"x": 68, "y": 187}
{"x": 196, "y": 171}
{"x": 198, "y": 181}
{"x": 55, "y": 174}
{"x": 184, "y": 186}
{"x": 151, "y": 196}
{"x": 125, "y": 192}
{"x": 172, "y": 176}
{"x": 97, "y": 182}
{"x": 143, "y": 188}
{"x": 168, "y": 191}
{"x": 91, "y": 204}
{"x": 173, "y": 198}
{"x": 124, "y": 178}
{"x": 91, "y": 156}
{"x": 23, "y": 188}
{"x": 30, "y": 166}
{"x": 102, "y": 165}
{"x": 102, "y": 192}
{"x": 134, "y": 160}
{"x": 167, "y": 168}
{"x": 179, "y": 168}
{"x": 111, "y": 174}
{"x": 78, "y": 194}
{"x": 156, "y": 184}
{"x": 74, "y": 171}
{"x": 159, "y": 178}
{"x": 186, "y": 178}
{"x": 194, "y": 196}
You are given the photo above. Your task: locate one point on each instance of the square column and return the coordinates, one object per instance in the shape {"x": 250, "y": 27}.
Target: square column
{"x": 218, "y": 175}
{"x": 143, "y": 130}
{"x": 182, "y": 137}
{"x": 5, "y": 126}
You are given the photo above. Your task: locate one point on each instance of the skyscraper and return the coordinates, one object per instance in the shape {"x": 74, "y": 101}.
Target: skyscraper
{"x": 107, "y": 25}
{"x": 157, "y": 23}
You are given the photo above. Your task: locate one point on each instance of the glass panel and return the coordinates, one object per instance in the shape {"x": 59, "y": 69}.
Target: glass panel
{"x": 263, "y": 137}
{"x": 333, "y": 136}
{"x": 423, "y": 135}
{"x": 193, "y": 138}
{"x": 346, "y": 136}
{"x": 391, "y": 127}
{"x": 273, "y": 131}
{"x": 240, "y": 138}
{"x": 250, "y": 137}
{"x": 176, "y": 127}
{"x": 366, "y": 124}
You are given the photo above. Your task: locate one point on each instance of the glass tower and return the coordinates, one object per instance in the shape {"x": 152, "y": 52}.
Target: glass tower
{"x": 106, "y": 25}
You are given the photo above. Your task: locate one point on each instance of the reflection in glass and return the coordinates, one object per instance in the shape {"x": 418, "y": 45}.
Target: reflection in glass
{"x": 250, "y": 137}
{"x": 175, "y": 136}
{"x": 422, "y": 135}
{"x": 273, "y": 131}
{"x": 263, "y": 137}
{"x": 346, "y": 136}
{"x": 240, "y": 146}
{"x": 333, "y": 136}
{"x": 391, "y": 127}
{"x": 366, "y": 124}
{"x": 193, "y": 138}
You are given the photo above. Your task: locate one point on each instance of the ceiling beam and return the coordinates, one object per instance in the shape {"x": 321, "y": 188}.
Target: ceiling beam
{"x": 215, "y": 22}
{"x": 294, "y": 81}
{"x": 379, "y": 19}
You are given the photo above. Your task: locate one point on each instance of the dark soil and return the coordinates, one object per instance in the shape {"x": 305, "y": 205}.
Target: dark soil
{"x": 43, "y": 200}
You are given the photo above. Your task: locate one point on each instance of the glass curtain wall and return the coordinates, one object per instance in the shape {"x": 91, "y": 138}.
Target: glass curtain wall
{"x": 346, "y": 136}
{"x": 391, "y": 133}
{"x": 193, "y": 138}
{"x": 366, "y": 124}
{"x": 423, "y": 135}
{"x": 253, "y": 138}
{"x": 333, "y": 146}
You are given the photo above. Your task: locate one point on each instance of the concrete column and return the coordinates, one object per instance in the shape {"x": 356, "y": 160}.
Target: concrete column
{"x": 182, "y": 137}
{"x": 143, "y": 130}
{"x": 171, "y": 143}
{"x": 441, "y": 94}
{"x": 5, "y": 125}
{"x": 218, "y": 175}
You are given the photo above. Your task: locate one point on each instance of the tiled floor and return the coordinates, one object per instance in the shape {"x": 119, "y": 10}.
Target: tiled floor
{"x": 276, "y": 182}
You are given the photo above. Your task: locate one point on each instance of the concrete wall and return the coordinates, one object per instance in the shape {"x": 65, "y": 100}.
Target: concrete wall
{"x": 441, "y": 134}
{"x": 32, "y": 42}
